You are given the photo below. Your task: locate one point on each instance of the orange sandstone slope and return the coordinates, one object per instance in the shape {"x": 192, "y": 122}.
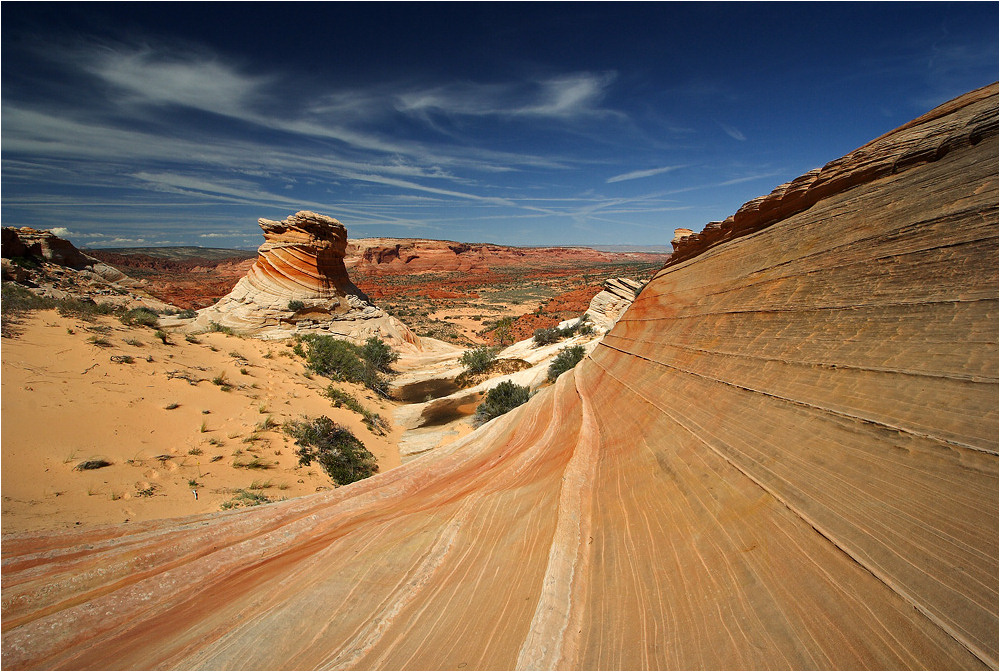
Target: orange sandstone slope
{"x": 783, "y": 455}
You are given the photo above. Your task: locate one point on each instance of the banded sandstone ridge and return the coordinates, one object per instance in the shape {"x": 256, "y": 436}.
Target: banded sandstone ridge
{"x": 302, "y": 260}
{"x": 783, "y": 455}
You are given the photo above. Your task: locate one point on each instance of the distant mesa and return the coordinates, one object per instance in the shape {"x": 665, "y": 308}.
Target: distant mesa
{"x": 302, "y": 261}
{"x": 390, "y": 256}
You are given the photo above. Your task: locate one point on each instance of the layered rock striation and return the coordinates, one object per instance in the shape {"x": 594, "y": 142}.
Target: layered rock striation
{"x": 612, "y": 301}
{"x": 299, "y": 284}
{"x": 783, "y": 455}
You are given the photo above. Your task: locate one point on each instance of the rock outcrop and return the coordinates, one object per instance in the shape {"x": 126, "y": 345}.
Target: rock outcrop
{"x": 612, "y": 301}
{"x": 45, "y": 246}
{"x": 783, "y": 455}
{"x": 299, "y": 284}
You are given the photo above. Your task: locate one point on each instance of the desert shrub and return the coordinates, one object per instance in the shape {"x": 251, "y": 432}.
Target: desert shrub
{"x": 565, "y": 360}
{"x": 503, "y": 331}
{"x": 245, "y": 498}
{"x": 334, "y": 358}
{"x": 378, "y": 354}
{"x": 215, "y": 327}
{"x": 295, "y": 305}
{"x": 162, "y": 335}
{"x": 141, "y": 315}
{"x": 338, "y": 359}
{"x": 343, "y": 457}
{"x": 84, "y": 309}
{"x": 187, "y": 314}
{"x": 503, "y": 398}
{"x": 375, "y": 422}
{"x": 548, "y": 335}
{"x": 478, "y": 359}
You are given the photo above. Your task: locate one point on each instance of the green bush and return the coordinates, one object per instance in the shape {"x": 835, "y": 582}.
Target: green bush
{"x": 478, "y": 359}
{"x": 548, "y": 335}
{"x": 141, "y": 315}
{"x": 565, "y": 360}
{"x": 295, "y": 305}
{"x": 338, "y": 359}
{"x": 343, "y": 457}
{"x": 334, "y": 358}
{"x": 187, "y": 314}
{"x": 503, "y": 398}
{"x": 375, "y": 422}
{"x": 378, "y": 354}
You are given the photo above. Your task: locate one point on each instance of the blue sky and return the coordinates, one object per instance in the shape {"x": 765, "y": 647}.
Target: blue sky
{"x": 531, "y": 124}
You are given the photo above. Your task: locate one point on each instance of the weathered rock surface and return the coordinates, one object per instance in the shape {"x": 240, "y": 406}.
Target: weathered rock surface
{"x": 302, "y": 260}
{"x": 783, "y": 455}
{"x": 377, "y": 256}
{"x": 53, "y": 267}
{"x": 612, "y": 301}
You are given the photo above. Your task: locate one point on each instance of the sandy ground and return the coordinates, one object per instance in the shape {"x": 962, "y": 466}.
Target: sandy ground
{"x": 65, "y": 401}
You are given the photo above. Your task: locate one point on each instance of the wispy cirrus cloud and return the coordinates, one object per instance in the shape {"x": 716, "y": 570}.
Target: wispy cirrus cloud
{"x": 638, "y": 174}
{"x": 565, "y": 96}
{"x": 733, "y": 132}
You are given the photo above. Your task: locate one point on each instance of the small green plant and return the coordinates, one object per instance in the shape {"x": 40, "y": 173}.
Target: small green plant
{"x": 215, "y": 327}
{"x": 254, "y": 463}
{"x": 295, "y": 305}
{"x": 375, "y": 422}
{"x": 501, "y": 399}
{"x": 565, "y": 360}
{"x": 266, "y": 424}
{"x": 122, "y": 359}
{"x": 147, "y": 491}
{"x": 204, "y": 426}
{"x": 245, "y": 498}
{"x": 262, "y": 408}
{"x": 341, "y": 455}
{"x": 215, "y": 441}
{"x": 244, "y": 371}
{"x": 193, "y": 483}
{"x": 261, "y": 485}
{"x": 70, "y": 331}
{"x": 134, "y": 342}
{"x": 478, "y": 359}
{"x": 190, "y": 338}
{"x": 140, "y": 316}
{"x": 187, "y": 314}
{"x": 172, "y": 406}
{"x": 99, "y": 341}
{"x": 162, "y": 335}
{"x": 195, "y": 451}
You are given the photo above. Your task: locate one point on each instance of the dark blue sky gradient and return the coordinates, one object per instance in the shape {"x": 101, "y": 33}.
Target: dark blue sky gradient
{"x": 182, "y": 123}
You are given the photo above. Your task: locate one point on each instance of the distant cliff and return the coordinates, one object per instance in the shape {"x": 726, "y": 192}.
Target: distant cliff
{"x": 416, "y": 255}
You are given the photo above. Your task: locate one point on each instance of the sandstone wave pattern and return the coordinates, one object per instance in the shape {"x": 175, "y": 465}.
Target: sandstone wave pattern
{"x": 784, "y": 455}
{"x": 302, "y": 261}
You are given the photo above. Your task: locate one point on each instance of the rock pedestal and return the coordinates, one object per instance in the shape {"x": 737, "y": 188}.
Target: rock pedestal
{"x": 299, "y": 284}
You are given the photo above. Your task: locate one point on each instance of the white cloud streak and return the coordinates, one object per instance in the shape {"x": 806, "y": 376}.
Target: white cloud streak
{"x": 637, "y": 174}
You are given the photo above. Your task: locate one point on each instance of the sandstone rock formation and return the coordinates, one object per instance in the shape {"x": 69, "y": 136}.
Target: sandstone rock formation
{"x": 53, "y": 267}
{"x": 783, "y": 455}
{"x": 302, "y": 260}
{"x": 612, "y": 301}
{"x": 47, "y": 246}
